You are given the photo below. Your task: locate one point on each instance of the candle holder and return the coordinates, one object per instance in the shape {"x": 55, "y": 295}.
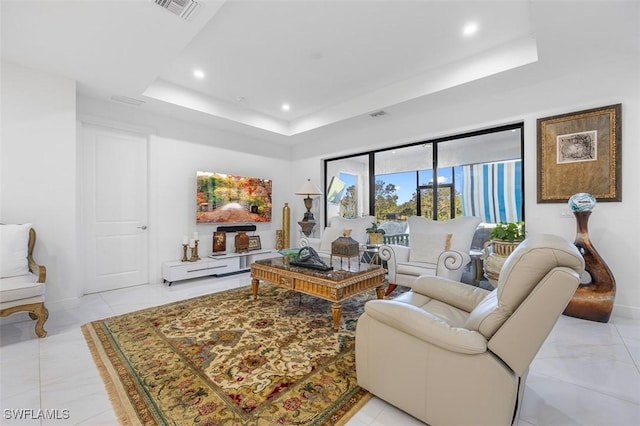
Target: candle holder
{"x": 194, "y": 252}
{"x": 184, "y": 252}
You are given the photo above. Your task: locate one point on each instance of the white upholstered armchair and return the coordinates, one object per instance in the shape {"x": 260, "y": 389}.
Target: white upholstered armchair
{"x": 22, "y": 280}
{"x": 465, "y": 350}
{"x": 439, "y": 248}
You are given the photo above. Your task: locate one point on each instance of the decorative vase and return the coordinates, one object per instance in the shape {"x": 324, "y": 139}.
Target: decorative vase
{"x": 279, "y": 239}
{"x": 496, "y": 253}
{"x": 242, "y": 242}
{"x": 593, "y": 300}
{"x": 286, "y": 226}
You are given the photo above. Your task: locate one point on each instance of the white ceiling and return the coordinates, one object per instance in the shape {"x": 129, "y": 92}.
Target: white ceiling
{"x": 330, "y": 60}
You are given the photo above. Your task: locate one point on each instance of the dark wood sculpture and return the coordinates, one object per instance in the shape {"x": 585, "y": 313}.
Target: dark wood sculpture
{"x": 593, "y": 300}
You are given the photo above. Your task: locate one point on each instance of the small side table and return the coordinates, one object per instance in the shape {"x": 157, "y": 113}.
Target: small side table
{"x": 370, "y": 254}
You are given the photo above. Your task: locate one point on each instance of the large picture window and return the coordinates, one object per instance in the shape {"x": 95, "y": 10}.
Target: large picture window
{"x": 473, "y": 174}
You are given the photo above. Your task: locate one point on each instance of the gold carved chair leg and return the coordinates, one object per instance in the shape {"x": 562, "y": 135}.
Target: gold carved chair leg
{"x": 37, "y": 311}
{"x": 42, "y": 315}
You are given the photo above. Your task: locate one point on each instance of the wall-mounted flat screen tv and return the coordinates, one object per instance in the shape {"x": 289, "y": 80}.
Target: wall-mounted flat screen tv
{"x": 224, "y": 198}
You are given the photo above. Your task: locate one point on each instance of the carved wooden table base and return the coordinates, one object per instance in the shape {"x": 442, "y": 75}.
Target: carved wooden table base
{"x": 334, "y": 286}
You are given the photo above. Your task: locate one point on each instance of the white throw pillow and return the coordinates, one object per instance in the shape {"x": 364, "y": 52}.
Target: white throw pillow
{"x": 328, "y": 236}
{"x": 428, "y": 247}
{"x": 14, "y": 249}
{"x": 462, "y": 227}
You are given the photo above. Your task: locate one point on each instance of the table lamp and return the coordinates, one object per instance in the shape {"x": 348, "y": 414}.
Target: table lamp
{"x": 308, "y": 189}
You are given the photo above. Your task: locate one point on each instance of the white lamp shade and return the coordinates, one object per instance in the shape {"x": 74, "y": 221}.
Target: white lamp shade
{"x": 309, "y": 189}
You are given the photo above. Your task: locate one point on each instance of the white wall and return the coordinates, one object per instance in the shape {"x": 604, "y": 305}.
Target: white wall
{"x": 523, "y": 95}
{"x": 38, "y": 175}
{"x": 173, "y": 166}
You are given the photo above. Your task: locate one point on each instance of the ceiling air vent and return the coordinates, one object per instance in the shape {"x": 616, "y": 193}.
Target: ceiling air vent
{"x": 186, "y": 9}
{"x": 378, "y": 113}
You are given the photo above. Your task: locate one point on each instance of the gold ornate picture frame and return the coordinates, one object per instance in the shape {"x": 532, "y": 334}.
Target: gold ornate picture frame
{"x": 580, "y": 152}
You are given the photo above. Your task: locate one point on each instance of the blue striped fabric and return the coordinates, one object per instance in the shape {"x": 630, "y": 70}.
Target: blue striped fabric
{"x": 493, "y": 191}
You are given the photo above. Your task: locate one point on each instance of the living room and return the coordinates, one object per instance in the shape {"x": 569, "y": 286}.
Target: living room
{"x": 46, "y": 114}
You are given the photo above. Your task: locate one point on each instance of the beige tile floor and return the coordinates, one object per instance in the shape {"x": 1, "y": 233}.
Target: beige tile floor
{"x": 586, "y": 373}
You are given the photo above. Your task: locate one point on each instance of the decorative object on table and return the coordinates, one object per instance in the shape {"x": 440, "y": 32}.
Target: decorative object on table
{"x": 286, "y": 226}
{"x": 279, "y": 239}
{"x": 504, "y": 239}
{"x": 310, "y": 390}
{"x": 376, "y": 234}
{"x": 193, "y": 246}
{"x": 289, "y": 254}
{"x": 185, "y": 246}
{"x": 593, "y": 300}
{"x": 242, "y": 242}
{"x": 309, "y": 258}
{"x": 345, "y": 247}
{"x": 219, "y": 242}
{"x": 254, "y": 243}
{"x": 580, "y": 152}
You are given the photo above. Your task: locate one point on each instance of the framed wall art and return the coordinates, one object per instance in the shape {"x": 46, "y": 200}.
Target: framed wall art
{"x": 254, "y": 242}
{"x": 580, "y": 152}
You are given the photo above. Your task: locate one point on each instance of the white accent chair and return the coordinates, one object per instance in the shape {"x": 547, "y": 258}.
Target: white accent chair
{"x": 22, "y": 280}
{"x": 336, "y": 228}
{"x": 465, "y": 351}
{"x": 439, "y": 248}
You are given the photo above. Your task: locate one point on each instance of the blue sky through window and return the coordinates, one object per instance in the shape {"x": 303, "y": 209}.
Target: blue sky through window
{"x": 406, "y": 181}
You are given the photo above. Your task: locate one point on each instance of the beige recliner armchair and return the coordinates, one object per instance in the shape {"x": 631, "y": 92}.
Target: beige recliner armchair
{"x": 452, "y": 354}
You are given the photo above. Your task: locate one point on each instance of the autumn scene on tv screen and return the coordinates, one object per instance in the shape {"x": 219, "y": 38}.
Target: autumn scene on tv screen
{"x": 228, "y": 198}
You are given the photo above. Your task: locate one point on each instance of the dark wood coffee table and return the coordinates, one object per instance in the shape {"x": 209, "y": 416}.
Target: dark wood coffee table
{"x": 334, "y": 286}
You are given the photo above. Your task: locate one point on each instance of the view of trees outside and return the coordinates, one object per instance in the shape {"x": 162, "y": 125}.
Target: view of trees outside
{"x": 479, "y": 174}
{"x": 396, "y": 196}
{"x": 349, "y": 202}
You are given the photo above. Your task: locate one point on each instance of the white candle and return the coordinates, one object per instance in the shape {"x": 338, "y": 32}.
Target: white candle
{"x": 185, "y": 240}
{"x": 192, "y": 243}
{"x": 195, "y": 235}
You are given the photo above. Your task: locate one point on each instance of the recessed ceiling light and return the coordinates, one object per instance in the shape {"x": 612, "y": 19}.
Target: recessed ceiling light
{"x": 286, "y": 107}
{"x": 470, "y": 29}
{"x": 198, "y": 73}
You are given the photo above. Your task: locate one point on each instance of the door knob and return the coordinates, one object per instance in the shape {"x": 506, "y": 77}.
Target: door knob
{"x": 143, "y": 227}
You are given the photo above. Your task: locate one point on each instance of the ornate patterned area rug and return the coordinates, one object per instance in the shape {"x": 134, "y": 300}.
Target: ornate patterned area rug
{"x": 228, "y": 359}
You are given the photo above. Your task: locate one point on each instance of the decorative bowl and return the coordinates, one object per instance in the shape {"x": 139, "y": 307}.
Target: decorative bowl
{"x": 582, "y": 202}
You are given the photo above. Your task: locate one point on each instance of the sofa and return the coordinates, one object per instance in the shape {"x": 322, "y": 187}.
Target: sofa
{"x": 439, "y": 248}
{"x": 453, "y": 354}
{"x": 22, "y": 280}
{"x": 336, "y": 228}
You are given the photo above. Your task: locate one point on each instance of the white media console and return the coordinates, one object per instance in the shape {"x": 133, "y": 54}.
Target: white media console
{"x": 213, "y": 265}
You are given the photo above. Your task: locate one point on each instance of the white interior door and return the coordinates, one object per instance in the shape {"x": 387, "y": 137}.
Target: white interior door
{"x": 114, "y": 194}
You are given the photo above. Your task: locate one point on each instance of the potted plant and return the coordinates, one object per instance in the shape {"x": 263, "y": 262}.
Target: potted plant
{"x": 376, "y": 235}
{"x": 509, "y": 231}
{"x": 504, "y": 238}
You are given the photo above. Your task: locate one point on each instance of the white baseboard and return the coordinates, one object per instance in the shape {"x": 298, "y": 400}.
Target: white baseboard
{"x": 632, "y": 312}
